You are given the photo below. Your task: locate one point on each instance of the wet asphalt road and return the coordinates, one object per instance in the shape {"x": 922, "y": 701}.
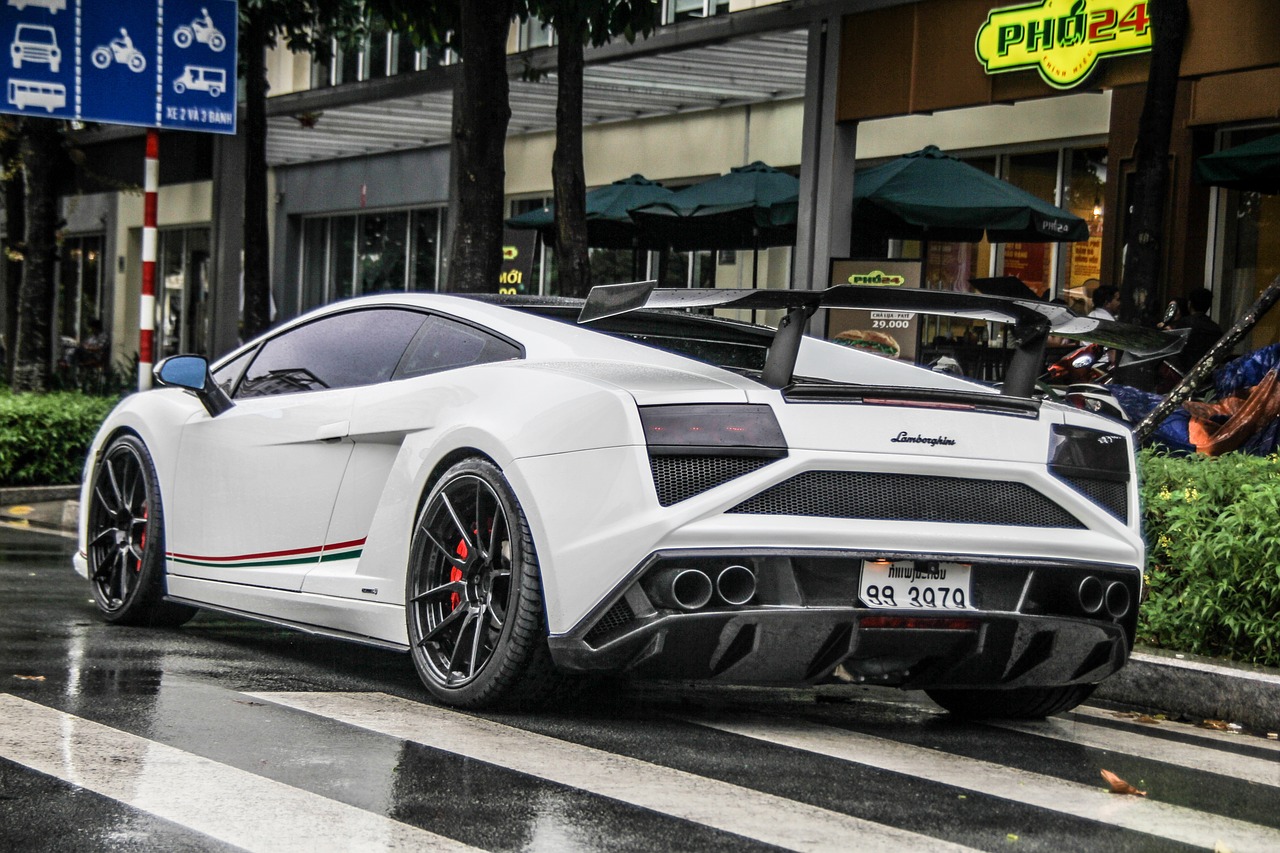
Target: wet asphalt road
{"x": 228, "y": 735}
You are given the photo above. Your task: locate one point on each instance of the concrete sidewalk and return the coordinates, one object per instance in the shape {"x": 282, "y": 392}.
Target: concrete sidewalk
{"x": 1183, "y": 687}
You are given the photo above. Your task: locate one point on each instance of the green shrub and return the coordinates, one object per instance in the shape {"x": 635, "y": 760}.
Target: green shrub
{"x": 1213, "y": 561}
{"x": 44, "y": 437}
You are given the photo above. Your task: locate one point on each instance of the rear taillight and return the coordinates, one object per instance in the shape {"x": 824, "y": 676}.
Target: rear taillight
{"x": 738, "y": 429}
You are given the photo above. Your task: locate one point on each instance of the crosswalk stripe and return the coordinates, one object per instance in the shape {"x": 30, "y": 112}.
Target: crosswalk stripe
{"x": 709, "y": 802}
{"x": 224, "y": 803}
{"x": 1134, "y": 813}
{"x": 1208, "y": 736}
{"x": 1204, "y": 758}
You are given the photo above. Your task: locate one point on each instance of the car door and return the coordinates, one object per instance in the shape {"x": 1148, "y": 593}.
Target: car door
{"x": 255, "y": 486}
{"x": 431, "y": 377}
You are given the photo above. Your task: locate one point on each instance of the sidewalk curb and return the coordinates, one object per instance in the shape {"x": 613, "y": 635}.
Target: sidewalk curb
{"x": 10, "y": 495}
{"x": 1197, "y": 688}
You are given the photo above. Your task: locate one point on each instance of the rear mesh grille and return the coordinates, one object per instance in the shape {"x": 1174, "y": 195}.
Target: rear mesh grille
{"x": 618, "y": 615}
{"x": 677, "y": 478}
{"x": 1110, "y": 495}
{"x": 908, "y": 497}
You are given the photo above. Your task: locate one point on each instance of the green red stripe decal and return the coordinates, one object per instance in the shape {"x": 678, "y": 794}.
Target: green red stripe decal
{"x": 290, "y": 557}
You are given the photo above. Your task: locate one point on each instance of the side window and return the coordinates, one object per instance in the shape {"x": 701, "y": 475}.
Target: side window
{"x": 227, "y": 374}
{"x": 442, "y": 344}
{"x": 340, "y": 351}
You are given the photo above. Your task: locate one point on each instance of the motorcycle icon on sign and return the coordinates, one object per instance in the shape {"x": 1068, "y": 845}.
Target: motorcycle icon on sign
{"x": 202, "y": 31}
{"x": 198, "y": 78}
{"x": 119, "y": 50}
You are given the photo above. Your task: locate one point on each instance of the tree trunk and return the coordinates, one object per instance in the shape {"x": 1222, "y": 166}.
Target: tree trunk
{"x": 566, "y": 165}
{"x": 480, "y": 117}
{"x": 256, "y": 317}
{"x": 15, "y": 200}
{"x": 33, "y": 366}
{"x": 1144, "y": 249}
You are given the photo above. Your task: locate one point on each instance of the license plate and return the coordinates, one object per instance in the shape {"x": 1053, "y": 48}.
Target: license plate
{"x": 916, "y": 585}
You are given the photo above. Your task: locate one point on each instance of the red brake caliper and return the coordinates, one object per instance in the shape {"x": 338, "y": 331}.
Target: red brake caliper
{"x": 455, "y": 574}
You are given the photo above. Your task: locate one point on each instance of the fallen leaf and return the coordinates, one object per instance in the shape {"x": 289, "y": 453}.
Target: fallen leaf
{"x": 1119, "y": 786}
{"x": 1011, "y": 837}
{"x": 1149, "y": 720}
{"x": 1216, "y": 725}
{"x": 29, "y": 677}
{"x": 1221, "y": 847}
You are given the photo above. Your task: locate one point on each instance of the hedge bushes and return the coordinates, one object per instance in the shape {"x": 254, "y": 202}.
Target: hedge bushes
{"x": 1213, "y": 561}
{"x": 44, "y": 437}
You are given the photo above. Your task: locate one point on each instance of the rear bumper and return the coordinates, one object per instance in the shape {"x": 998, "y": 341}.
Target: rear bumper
{"x": 803, "y": 645}
{"x": 1030, "y": 629}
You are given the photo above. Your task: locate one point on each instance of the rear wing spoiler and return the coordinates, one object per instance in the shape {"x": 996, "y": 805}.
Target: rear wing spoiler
{"x": 1033, "y": 321}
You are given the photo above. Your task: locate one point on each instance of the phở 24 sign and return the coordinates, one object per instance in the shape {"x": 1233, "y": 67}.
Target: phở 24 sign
{"x": 1062, "y": 39}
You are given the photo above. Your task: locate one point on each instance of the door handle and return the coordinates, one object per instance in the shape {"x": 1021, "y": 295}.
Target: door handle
{"x": 333, "y": 432}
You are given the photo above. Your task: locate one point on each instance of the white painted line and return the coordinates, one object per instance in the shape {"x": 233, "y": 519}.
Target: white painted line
{"x": 1185, "y": 729}
{"x": 709, "y": 802}
{"x": 1070, "y": 798}
{"x": 1206, "y": 758}
{"x": 224, "y": 803}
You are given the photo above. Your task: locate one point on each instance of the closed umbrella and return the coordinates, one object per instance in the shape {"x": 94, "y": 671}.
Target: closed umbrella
{"x": 930, "y": 195}
{"x": 752, "y": 207}
{"x": 1254, "y": 166}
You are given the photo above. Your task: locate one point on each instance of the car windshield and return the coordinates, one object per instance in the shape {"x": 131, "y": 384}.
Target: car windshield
{"x": 35, "y": 35}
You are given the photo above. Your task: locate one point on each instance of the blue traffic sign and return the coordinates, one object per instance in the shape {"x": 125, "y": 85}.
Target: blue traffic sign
{"x": 154, "y": 63}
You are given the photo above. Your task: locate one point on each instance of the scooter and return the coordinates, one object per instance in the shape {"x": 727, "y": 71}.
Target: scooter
{"x": 201, "y": 31}
{"x": 119, "y": 51}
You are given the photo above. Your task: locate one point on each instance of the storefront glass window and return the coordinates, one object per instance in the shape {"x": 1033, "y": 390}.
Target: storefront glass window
{"x": 182, "y": 273}
{"x": 1086, "y": 187}
{"x": 1032, "y": 262}
{"x": 80, "y": 286}
{"x": 1250, "y": 224}
{"x": 344, "y": 256}
{"x": 384, "y": 242}
{"x": 428, "y": 231}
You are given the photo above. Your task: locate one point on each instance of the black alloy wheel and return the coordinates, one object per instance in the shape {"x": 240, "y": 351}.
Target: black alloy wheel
{"x": 126, "y": 539}
{"x": 473, "y": 598}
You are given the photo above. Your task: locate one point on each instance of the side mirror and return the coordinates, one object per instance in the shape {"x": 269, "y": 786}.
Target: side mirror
{"x": 192, "y": 373}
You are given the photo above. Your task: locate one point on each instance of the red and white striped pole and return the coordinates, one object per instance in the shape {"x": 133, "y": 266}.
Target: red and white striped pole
{"x": 147, "y": 315}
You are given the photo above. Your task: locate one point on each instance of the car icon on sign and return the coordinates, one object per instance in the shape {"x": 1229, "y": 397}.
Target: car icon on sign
{"x": 54, "y": 6}
{"x": 35, "y": 43}
{"x": 199, "y": 78}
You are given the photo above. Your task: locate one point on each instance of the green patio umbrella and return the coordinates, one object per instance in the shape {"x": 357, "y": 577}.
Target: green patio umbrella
{"x": 1254, "y": 166}
{"x": 752, "y": 207}
{"x": 930, "y": 195}
{"x": 608, "y": 225}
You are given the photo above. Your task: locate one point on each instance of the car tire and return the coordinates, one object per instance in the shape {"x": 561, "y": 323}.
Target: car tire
{"x": 473, "y": 595}
{"x": 1023, "y": 703}
{"x": 126, "y": 539}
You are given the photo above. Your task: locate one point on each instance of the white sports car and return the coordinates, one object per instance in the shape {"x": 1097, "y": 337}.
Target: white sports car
{"x": 515, "y": 498}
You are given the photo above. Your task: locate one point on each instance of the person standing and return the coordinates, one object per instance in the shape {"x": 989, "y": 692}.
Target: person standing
{"x": 1204, "y": 331}
{"x": 1106, "y": 302}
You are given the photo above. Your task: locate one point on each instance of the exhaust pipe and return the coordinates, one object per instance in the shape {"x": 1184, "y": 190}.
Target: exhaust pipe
{"x": 1091, "y": 594}
{"x": 681, "y": 589}
{"x": 1118, "y": 599}
{"x": 736, "y": 585}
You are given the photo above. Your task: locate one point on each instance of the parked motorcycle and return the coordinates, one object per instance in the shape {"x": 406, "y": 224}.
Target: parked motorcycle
{"x": 201, "y": 31}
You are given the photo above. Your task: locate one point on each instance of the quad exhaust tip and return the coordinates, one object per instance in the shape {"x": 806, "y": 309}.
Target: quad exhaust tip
{"x": 693, "y": 589}
{"x": 1094, "y": 595}
{"x": 736, "y": 585}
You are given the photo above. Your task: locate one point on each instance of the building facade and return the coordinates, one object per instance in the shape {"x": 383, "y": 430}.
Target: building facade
{"x": 361, "y": 169}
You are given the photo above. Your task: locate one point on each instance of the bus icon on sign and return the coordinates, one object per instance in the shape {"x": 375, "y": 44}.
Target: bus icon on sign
{"x": 34, "y": 93}
{"x": 199, "y": 78}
